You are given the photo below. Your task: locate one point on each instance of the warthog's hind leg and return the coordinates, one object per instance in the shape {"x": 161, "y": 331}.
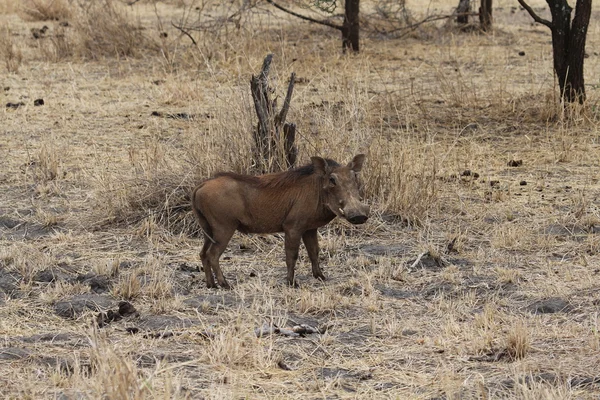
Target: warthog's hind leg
{"x": 222, "y": 236}
{"x": 210, "y": 280}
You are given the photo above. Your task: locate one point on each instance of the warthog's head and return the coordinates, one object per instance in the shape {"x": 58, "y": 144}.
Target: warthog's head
{"x": 341, "y": 186}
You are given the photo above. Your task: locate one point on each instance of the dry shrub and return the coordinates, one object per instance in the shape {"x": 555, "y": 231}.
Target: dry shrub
{"x": 11, "y": 54}
{"x": 105, "y": 29}
{"x": 46, "y": 10}
{"x": 59, "y": 46}
{"x": 518, "y": 342}
{"x": 402, "y": 177}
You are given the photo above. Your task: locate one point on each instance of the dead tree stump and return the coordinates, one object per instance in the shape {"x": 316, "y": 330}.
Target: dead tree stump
{"x": 462, "y": 11}
{"x": 274, "y": 148}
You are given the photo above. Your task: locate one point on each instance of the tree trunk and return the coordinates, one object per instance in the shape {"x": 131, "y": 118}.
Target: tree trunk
{"x": 485, "y": 15}
{"x": 463, "y": 8}
{"x": 575, "y": 87}
{"x": 351, "y": 27}
{"x": 568, "y": 44}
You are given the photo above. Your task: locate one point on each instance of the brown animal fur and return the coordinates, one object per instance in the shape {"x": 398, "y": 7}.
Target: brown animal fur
{"x": 296, "y": 202}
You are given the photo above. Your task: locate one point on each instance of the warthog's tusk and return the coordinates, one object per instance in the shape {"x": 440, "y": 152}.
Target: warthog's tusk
{"x": 341, "y": 211}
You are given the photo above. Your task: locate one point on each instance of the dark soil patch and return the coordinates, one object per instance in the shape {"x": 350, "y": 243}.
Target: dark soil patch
{"x": 212, "y": 302}
{"x": 77, "y": 305}
{"x": 150, "y": 360}
{"x": 550, "y": 306}
{"x": 50, "y": 275}
{"x": 97, "y": 283}
{"x": 13, "y": 353}
{"x": 383, "y": 250}
{"x": 9, "y": 283}
{"x": 565, "y": 230}
{"x": 427, "y": 261}
{"x": 395, "y": 293}
{"x": 163, "y": 322}
{"x": 51, "y": 337}
{"x": 26, "y": 231}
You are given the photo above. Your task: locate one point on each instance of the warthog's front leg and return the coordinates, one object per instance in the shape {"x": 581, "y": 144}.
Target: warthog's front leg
{"x": 292, "y": 244}
{"x": 311, "y": 241}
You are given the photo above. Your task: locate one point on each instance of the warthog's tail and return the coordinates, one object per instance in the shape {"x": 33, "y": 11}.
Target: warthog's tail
{"x": 204, "y": 225}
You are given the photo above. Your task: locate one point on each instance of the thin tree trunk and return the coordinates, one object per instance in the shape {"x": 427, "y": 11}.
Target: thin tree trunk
{"x": 561, "y": 29}
{"x": 485, "y": 15}
{"x": 575, "y": 86}
{"x": 351, "y": 27}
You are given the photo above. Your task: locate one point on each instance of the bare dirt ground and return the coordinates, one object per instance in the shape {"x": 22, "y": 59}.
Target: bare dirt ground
{"x": 477, "y": 276}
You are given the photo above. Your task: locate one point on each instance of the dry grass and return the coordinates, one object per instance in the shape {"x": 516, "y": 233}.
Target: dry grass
{"x": 46, "y": 10}
{"x": 94, "y": 211}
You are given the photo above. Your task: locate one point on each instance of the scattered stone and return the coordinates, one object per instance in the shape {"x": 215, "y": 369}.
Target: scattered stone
{"x": 515, "y": 163}
{"x": 523, "y": 183}
{"x": 15, "y": 105}
{"x": 182, "y": 115}
{"x": 38, "y": 102}
{"x": 494, "y": 183}
{"x": 126, "y": 309}
{"x": 77, "y": 305}
{"x": 550, "y": 306}
{"x": 39, "y": 33}
{"x": 98, "y": 283}
{"x": 521, "y": 53}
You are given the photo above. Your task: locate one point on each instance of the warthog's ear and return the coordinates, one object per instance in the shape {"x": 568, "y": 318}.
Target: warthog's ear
{"x": 357, "y": 162}
{"x": 320, "y": 165}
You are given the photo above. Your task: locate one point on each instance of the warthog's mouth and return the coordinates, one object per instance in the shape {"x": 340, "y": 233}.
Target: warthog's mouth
{"x": 358, "y": 219}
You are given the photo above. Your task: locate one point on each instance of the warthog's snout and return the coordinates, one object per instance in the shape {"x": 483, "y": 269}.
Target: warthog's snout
{"x": 358, "y": 216}
{"x": 358, "y": 219}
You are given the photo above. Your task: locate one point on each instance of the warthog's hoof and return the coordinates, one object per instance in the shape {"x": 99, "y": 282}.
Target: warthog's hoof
{"x": 319, "y": 275}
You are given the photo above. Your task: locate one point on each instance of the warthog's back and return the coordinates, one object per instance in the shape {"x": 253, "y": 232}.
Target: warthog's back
{"x": 255, "y": 206}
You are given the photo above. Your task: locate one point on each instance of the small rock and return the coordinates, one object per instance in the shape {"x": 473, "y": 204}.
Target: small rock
{"x": 515, "y": 163}
{"x": 523, "y": 183}
{"x": 14, "y": 106}
{"x": 38, "y": 102}
{"x": 521, "y": 53}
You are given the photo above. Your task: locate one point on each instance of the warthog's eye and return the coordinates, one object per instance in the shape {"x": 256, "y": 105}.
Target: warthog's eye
{"x": 332, "y": 180}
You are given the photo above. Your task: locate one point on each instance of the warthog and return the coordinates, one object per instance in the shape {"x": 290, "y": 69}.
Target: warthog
{"x": 296, "y": 202}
